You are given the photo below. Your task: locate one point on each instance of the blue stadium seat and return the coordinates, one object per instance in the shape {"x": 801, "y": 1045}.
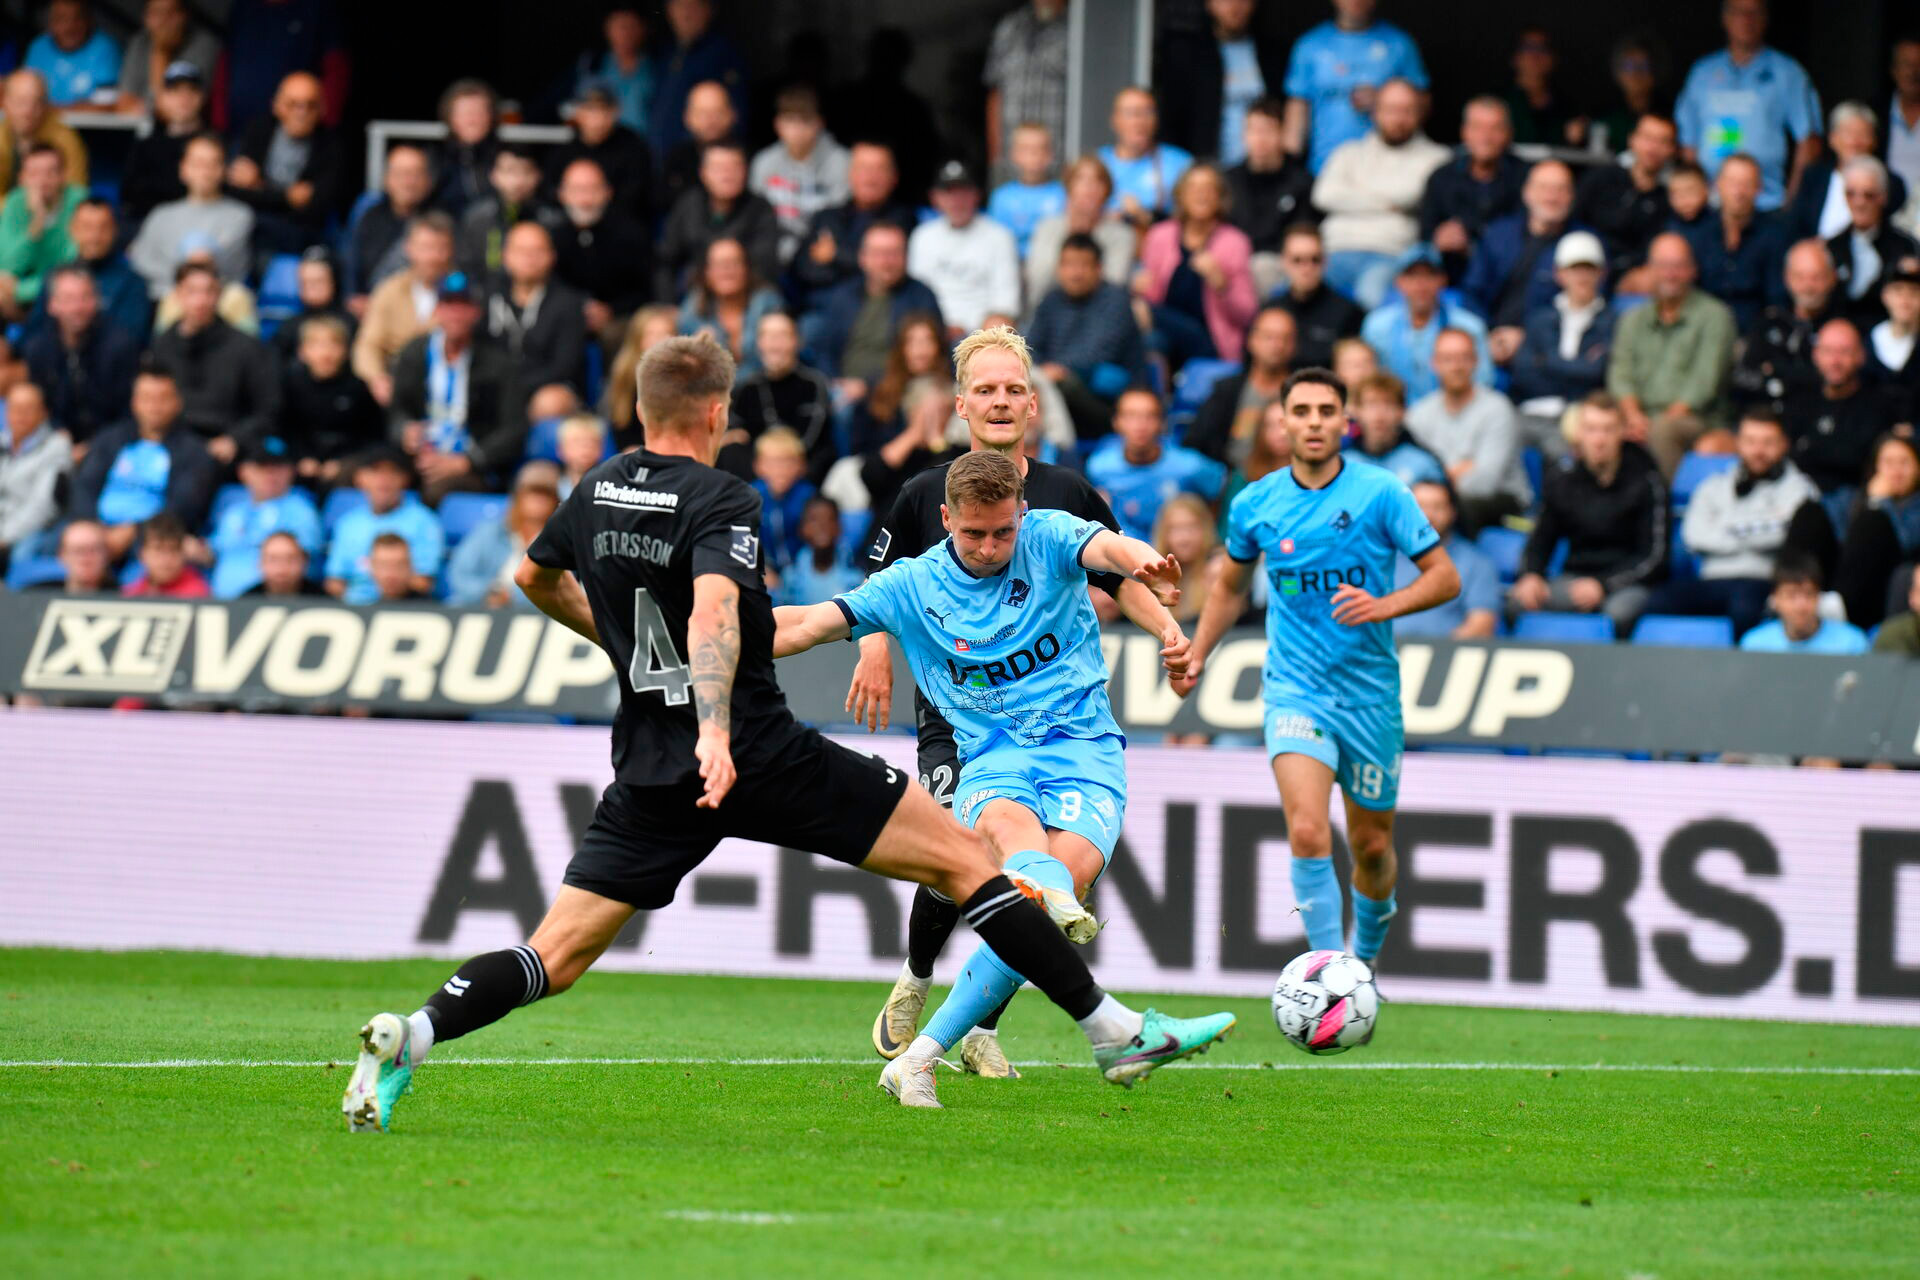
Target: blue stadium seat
{"x": 1684, "y": 633}
{"x": 596, "y": 372}
{"x": 338, "y": 503}
{"x": 279, "y": 295}
{"x": 1564, "y": 628}
{"x": 855, "y": 526}
{"x": 225, "y": 498}
{"x": 1536, "y": 468}
{"x": 34, "y": 571}
{"x": 1696, "y": 467}
{"x": 461, "y": 513}
{"x": 1196, "y": 380}
{"x": 543, "y": 442}
{"x": 1503, "y": 546}
{"x": 1682, "y": 564}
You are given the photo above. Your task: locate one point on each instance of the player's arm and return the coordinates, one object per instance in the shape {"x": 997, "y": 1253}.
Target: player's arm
{"x": 1226, "y": 601}
{"x": 558, "y": 594}
{"x": 1145, "y": 611}
{"x": 1110, "y": 552}
{"x": 870, "y": 692}
{"x": 1439, "y": 582}
{"x": 713, "y": 655}
{"x": 799, "y": 627}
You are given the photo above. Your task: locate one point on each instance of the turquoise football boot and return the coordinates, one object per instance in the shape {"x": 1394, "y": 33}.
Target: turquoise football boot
{"x": 1161, "y": 1040}
{"x": 383, "y": 1073}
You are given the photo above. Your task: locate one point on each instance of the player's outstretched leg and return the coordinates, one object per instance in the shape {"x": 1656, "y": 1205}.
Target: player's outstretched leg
{"x": 579, "y": 926}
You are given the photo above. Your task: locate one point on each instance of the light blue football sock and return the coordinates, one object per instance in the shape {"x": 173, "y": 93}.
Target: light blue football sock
{"x": 986, "y": 981}
{"x": 1370, "y": 919}
{"x": 1317, "y": 891}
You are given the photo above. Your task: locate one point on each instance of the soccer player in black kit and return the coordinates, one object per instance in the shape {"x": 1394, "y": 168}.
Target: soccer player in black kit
{"x": 656, "y": 558}
{"x": 995, "y": 363}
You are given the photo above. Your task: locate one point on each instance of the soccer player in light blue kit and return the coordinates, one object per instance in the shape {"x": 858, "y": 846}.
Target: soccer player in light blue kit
{"x": 1003, "y": 640}
{"x": 1332, "y": 532}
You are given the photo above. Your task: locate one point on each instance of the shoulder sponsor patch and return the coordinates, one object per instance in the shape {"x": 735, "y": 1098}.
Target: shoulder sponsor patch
{"x": 745, "y": 545}
{"x": 881, "y": 545}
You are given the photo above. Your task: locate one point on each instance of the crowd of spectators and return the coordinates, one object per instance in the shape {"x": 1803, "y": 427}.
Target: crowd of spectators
{"x": 1650, "y": 355}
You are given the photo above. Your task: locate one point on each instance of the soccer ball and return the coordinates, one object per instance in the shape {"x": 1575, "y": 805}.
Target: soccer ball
{"x": 1325, "y": 1002}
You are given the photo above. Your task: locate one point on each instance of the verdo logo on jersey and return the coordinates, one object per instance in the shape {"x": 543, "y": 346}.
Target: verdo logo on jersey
{"x": 1295, "y": 582}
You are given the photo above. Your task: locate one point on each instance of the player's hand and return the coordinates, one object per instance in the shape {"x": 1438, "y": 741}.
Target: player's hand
{"x": 1353, "y": 606}
{"x": 870, "y": 695}
{"x": 714, "y": 751}
{"x": 1162, "y": 577}
{"x": 1176, "y": 652}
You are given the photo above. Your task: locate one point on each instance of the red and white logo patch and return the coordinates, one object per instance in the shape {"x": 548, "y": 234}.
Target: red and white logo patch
{"x": 960, "y": 646}
{"x": 1286, "y": 546}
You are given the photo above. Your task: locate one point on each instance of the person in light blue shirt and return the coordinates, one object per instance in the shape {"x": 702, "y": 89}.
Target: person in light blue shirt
{"x": 819, "y": 572}
{"x": 1379, "y": 403}
{"x": 1143, "y": 169}
{"x": 623, "y": 68}
{"x": 271, "y": 505}
{"x": 1033, "y": 197}
{"x": 1137, "y": 470}
{"x": 390, "y": 509}
{"x": 1797, "y": 626}
{"x": 1331, "y": 532}
{"x": 1402, "y": 330}
{"x": 1748, "y": 99}
{"x": 1003, "y": 641}
{"x": 76, "y": 59}
{"x": 1474, "y": 614}
{"x": 1332, "y": 75}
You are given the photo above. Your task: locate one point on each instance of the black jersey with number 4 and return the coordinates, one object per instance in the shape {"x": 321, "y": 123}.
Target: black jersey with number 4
{"x": 914, "y": 523}
{"x": 636, "y": 531}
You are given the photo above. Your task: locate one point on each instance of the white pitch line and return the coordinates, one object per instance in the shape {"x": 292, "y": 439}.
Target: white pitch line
{"x": 1668, "y": 1068}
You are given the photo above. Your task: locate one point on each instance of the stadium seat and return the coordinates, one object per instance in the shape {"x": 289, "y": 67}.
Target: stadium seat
{"x": 543, "y": 442}
{"x": 1503, "y": 546}
{"x": 1196, "y": 380}
{"x": 855, "y": 526}
{"x": 1696, "y": 467}
{"x": 226, "y": 497}
{"x": 1684, "y": 633}
{"x": 461, "y": 513}
{"x": 1536, "y": 467}
{"x": 1564, "y": 628}
{"x": 338, "y": 503}
{"x": 26, "y": 572}
{"x": 1682, "y": 564}
{"x": 279, "y": 295}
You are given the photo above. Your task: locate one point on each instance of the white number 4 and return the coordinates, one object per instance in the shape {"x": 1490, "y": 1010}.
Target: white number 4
{"x": 656, "y": 663}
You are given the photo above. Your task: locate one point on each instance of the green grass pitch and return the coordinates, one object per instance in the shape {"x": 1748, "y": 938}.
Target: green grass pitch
{"x": 711, "y": 1165}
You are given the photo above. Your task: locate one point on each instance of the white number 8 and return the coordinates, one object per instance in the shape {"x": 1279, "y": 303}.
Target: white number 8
{"x": 1069, "y": 806}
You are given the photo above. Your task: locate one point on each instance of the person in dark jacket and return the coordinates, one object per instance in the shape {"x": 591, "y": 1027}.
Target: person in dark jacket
{"x": 719, "y": 208}
{"x": 1268, "y": 191}
{"x": 80, "y": 359}
{"x": 1869, "y": 206}
{"x": 828, "y": 255}
{"x": 453, "y": 400}
{"x": 327, "y": 415}
{"x": 1228, "y": 420}
{"x": 1776, "y": 360}
{"x": 152, "y": 175}
{"x": 1563, "y": 357}
{"x": 1199, "y": 117}
{"x": 621, "y": 153}
{"x": 1834, "y": 425}
{"x": 1321, "y": 317}
{"x": 1510, "y": 273}
{"x": 540, "y": 321}
{"x": 471, "y": 112}
{"x": 601, "y": 251}
{"x": 1609, "y": 502}
{"x": 1083, "y": 336}
{"x": 227, "y": 380}
{"x": 782, "y": 392}
{"x": 150, "y": 463}
{"x": 514, "y": 198}
{"x": 94, "y": 231}
{"x": 1627, "y": 203}
{"x": 291, "y": 168}
{"x": 1739, "y": 252}
{"x": 1480, "y": 184}
{"x": 317, "y": 285}
{"x": 856, "y": 327}
{"x": 375, "y": 238}
{"x": 1852, "y": 130}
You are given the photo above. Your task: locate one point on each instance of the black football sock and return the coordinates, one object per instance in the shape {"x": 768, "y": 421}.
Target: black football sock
{"x": 1031, "y": 944}
{"x": 929, "y": 925}
{"x": 992, "y": 1021}
{"x": 484, "y": 990}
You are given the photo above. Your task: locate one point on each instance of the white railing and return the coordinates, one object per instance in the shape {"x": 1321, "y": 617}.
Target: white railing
{"x": 382, "y": 134}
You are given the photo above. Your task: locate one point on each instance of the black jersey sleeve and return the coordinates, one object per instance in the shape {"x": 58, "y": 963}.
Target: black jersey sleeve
{"x": 726, "y": 538}
{"x": 1089, "y": 505}
{"x": 902, "y": 534}
{"x": 557, "y": 546}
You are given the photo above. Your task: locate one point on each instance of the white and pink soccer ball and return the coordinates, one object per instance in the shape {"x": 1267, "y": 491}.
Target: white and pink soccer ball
{"x": 1325, "y": 1002}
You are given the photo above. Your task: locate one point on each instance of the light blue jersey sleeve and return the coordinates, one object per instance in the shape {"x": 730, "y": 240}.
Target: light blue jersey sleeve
{"x": 1407, "y": 525}
{"x": 1241, "y": 514}
{"x": 1057, "y": 540}
{"x": 881, "y": 602}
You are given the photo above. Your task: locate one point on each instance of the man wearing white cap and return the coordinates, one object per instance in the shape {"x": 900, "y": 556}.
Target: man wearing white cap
{"x": 1563, "y": 355}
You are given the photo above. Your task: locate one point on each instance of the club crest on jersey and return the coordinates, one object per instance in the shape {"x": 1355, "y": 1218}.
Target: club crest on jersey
{"x": 1017, "y": 593}
{"x": 745, "y": 545}
{"x": 1342, "y": 522}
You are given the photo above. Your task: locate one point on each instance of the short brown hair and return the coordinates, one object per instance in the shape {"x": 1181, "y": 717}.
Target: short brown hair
{"x": 1381, "y": 384}
{"x": 1600, "y": 402}
{"x": 679, "y": 377}
{"x": 982, "y": 478}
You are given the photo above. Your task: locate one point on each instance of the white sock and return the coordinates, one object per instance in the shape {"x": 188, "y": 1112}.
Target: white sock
{"x": 908, "y": 976}
{"x": 420, "y": 1036}
{"x": 924, "y": 1048}
{"x": 1111, "y": 1023}
{"x": 984, "y": 1031}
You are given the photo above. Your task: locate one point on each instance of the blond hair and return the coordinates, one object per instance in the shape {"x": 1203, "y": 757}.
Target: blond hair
{"x": 679, "y": 379}
{"x": 582, "y": 424}
{"x": 623, "y": 382}
{"x": 983, "y": 478}
{"x": 998, "y": 338}
{"x": 780, "y": 440}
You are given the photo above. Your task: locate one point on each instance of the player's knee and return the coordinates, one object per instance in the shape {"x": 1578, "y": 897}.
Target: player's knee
{"x": 1370, "y": 848}
{"x": 1310, "y": 837}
